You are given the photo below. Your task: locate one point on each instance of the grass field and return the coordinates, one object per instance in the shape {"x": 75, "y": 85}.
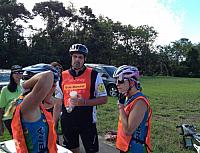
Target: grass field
{"x": 173, "y": 100}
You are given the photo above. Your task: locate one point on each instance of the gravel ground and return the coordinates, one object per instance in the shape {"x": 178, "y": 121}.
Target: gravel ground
{"x": 104, "y": 146}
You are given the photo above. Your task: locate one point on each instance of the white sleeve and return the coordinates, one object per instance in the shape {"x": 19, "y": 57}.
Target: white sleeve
{"x": 58, "y": 91}
{"x": 100, "y": 89}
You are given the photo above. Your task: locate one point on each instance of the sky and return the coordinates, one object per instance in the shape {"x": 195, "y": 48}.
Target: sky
{"x": 172, "y": 19}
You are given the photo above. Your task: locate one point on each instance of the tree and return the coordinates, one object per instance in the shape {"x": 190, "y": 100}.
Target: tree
{"x": 193, "y": 61}
{"x": 12, "y": 44}
{"x": 142, "y": 40}
{"x": 50, "y": 41}
{"x": 52, "y": 11}
{"x": 101, "y": 41}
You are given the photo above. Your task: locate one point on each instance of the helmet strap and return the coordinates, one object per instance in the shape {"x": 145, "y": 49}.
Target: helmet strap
{"x": 131, "y": 86}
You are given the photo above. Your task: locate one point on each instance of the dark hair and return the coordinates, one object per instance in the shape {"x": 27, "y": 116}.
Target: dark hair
{"x": 57, "y": 66}
{"x": 12, "y": 86}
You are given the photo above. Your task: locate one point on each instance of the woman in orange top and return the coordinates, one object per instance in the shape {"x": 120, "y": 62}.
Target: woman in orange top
{"x": 133, "y": 135}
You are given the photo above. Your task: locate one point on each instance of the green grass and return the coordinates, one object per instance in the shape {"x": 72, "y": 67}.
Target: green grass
{"x": 173, "y": 100}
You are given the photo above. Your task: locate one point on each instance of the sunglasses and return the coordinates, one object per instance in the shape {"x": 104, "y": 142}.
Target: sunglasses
{"x": 120, "y": 81}
{"x": 17, "y": 72}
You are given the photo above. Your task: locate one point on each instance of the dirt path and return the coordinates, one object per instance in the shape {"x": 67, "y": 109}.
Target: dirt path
{"x": 104, "y": 146}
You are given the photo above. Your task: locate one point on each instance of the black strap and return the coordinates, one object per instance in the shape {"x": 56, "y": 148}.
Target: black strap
{"x": 93, "y": 81}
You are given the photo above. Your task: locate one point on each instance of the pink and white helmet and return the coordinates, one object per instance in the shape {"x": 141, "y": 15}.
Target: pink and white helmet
{"x": 127, "y": 72}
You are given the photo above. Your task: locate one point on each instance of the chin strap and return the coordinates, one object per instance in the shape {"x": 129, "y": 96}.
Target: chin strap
{"x": 136, "y": 84}
{"x": 131, "y": 86}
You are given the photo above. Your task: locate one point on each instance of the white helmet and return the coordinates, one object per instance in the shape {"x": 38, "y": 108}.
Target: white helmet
{"x": 127, "y": 72}
{"x": 78, "y": 48}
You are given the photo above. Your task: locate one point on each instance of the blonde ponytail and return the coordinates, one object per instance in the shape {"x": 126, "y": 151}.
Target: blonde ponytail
{"x": 12, "y": 107}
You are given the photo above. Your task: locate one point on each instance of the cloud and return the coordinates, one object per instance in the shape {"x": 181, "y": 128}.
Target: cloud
{"x": 159, "y": 14}
{"x": 154, "y": 13}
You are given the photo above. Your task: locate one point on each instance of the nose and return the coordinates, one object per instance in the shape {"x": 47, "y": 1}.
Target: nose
{"x": 117, "y": 85}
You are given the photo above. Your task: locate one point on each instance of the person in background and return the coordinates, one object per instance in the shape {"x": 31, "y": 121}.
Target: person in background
{"x": 133, "y": 135}
{"x": 59, "y": 68}
{"x": 32, "y": 125}
{"x": 81, "y": 119}
{"x": 8, "y": 94}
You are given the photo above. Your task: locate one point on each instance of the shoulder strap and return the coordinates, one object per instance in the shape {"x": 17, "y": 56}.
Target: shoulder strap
{"x": 134, "y": 97}
{"x": 93, "y": 81}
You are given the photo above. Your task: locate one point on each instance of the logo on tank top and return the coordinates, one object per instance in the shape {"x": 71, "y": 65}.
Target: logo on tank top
{"x": 41, "y": 139}
{"x": 75, "y": 86}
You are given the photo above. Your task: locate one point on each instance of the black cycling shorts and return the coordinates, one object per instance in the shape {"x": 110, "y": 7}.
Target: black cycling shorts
{"x": 87, "y": 132}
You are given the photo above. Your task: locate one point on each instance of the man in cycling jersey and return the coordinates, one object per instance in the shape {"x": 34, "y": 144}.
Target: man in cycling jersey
{"x": 79, "y": 120}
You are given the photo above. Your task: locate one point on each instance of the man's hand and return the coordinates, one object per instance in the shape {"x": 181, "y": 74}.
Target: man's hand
{"x": 79, "y": 101}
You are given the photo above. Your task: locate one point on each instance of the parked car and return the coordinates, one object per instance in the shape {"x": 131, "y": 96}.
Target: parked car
{"x": 4, "y": 77}
{"x": 106, "y": 72}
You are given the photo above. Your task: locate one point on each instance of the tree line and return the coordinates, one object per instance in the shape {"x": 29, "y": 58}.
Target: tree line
{"x": 108, "y": 42}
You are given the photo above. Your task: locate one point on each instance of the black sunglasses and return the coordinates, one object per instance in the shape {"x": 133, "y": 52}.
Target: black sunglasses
{"x": 20, "y": 72}
{"x": 120, "y": 81}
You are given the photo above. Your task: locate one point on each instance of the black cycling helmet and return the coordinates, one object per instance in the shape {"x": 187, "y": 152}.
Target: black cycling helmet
{"x": 30, "y": 71}
{"x": 78, "y": 48}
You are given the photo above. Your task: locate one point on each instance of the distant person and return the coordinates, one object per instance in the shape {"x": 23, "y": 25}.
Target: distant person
{"x": 134, "y": 123}
{"x": 32, "y": 125}
{"x": 88, "y": 91}
{"x": 59, "y": 68}
{"x": 8, "y": 94}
